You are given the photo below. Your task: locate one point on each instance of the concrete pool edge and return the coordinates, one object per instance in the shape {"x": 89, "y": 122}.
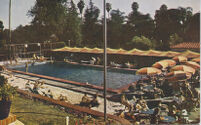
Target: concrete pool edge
{"x": 119, "y": 90}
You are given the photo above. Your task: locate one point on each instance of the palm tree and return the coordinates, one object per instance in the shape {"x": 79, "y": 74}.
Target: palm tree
{"x": 1, "y": 26}
{"x": 108, "y": 8}
{"x": 81, "y": 5}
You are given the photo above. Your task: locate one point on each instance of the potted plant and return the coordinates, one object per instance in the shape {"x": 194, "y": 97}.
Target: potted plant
{"x": 6, "y": 94}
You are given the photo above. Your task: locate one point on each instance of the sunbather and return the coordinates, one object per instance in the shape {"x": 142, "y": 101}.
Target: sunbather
{"x": 155, "y": 116}
{"x": 138, "y": 106}
{"x": 62, "y": 98}
{"x": 28, "y": 85}
{"x": 125, "y": 102}
{"x": 85, "y": 100}
{"x": 94, "y": 101}
{"x": 49, "y": 94}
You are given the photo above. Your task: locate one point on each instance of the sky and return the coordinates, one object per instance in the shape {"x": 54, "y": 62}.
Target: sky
{"x": 21, "y": 7}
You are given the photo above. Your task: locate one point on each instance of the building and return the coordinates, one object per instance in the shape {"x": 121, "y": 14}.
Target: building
{"x": 193, "y": 46}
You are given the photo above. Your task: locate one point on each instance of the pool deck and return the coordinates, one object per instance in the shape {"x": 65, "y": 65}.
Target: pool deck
{"x": 70, "y": 85}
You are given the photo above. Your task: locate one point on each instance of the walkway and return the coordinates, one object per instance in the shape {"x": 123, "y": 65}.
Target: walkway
{"x": 76, "y": 88}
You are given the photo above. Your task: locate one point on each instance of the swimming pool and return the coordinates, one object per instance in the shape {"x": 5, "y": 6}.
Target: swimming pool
{"x": 116, "y": 77}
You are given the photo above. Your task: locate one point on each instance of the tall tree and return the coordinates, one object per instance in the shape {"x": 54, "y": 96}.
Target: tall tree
{"x": 1, "y": 29}
{"x": 142, "y": 24}
{"x": 72, "y": 26}
{"x": 141, "y": 43}
{"x": 1, "y": 26}
{"x": 108, "y": 8}
{"x": 91, "y": 28}
{"x": 48, "y": 17}
{"x": 81, "y": 5}
{"x": 161, "y": 33}
{"x": 115, "y": 29}
{"x": 139, "y": 24}
{"x": 192, "y": 29}
{"x": 135, "y": 7}
{"x": 1, "y": 33}
{"x": 169, "y": 22}
{"x": 175, "y": 39}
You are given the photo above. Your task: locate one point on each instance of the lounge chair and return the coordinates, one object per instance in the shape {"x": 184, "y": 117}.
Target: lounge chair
{"x": 85, "y": 62}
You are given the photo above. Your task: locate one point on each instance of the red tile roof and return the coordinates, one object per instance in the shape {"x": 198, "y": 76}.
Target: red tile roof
{"x": 187, "y": 45}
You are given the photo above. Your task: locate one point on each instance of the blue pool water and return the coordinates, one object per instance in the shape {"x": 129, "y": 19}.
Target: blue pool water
{"x": 116, "y": 78}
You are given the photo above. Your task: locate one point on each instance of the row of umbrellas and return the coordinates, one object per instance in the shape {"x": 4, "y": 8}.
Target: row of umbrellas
{"x": 177, "y": 72}
{"x": 188, "y": 53}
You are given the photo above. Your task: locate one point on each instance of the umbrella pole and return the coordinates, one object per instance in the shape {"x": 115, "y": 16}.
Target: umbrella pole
{"x": 105, "y": 59}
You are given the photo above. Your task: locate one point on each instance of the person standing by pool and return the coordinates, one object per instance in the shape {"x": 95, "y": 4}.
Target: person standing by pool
{"x": 26, "y": 66}
{"x": 98, "y": 62}
{"x": 34, "y": 57}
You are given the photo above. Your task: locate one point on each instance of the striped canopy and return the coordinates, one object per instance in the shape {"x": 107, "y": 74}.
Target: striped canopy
{"x": 148, "y": 71}
{"x": 183, "y": 68}
{"x": 180, "y": 59}
{"x": 178, "y": 75}
{"x": 138, "y": 52}
{"x": 170, "y": 62}
{"x": 190, "y": 54}
{"x": 193, "y": 64}
{"x": 160, "y": 65}
{"x": 197, "y": 60}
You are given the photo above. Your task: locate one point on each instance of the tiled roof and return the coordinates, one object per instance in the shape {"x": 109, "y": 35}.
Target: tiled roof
{"x": 187, "y": 45}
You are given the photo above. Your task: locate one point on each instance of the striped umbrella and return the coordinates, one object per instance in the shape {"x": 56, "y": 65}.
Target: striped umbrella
{"x": 183, "y": 68}
{"x": 170, "y": 62}
{"x": 193, "y": 64}
{"x": 160, "y": 65}
{"x": 148, "y": 71}
{"x": 177, "y": 75}
{"x": 197, "y": 60}
{"x": 180, "y": 59}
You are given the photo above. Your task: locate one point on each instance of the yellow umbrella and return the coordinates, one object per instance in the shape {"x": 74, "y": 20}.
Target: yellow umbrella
{"x": 160, "y": 65}
{"x": 180, "y": 59}
{"x": 170, "y": 62}
{"x": 148, "y": 71}
{"x": 197, "y": 60}
{"x": 193, "y": 64}
{"x": 183, "y": 68}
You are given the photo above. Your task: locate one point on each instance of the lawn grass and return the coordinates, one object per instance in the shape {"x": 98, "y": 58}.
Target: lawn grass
{"x": 194, "y": 114}
{"x": 32, "y": 112}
